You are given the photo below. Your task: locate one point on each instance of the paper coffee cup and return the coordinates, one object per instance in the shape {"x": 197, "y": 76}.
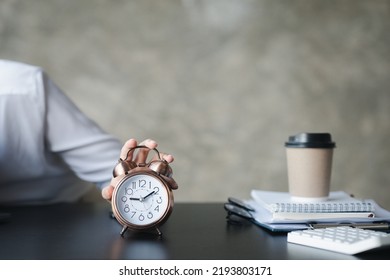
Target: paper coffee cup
{"x": 309, "y": 166}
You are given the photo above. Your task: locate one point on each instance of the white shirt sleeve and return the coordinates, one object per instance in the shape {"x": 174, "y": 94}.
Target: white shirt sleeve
{"x": 82, "y": 144}
{"x": 49, "y": 149}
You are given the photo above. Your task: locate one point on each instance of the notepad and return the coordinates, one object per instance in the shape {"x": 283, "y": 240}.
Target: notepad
{"x": 318, "y": 216}
{"x": 338, "y": 202}
{"x": 298, "y": 221}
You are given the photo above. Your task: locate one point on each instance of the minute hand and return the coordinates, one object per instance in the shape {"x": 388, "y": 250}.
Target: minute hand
{"x": 149, "y": 194}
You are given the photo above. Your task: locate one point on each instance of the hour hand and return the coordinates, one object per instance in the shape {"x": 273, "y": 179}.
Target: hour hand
{"x": 142, "y": 198}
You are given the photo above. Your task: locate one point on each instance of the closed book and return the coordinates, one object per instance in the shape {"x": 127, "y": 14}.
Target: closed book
{"x": 338, "y": 202}
{"x": 316, "y": 216}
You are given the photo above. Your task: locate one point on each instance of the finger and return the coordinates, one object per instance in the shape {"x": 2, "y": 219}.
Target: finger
{"x": 168, "y": 158}
{"x": 130, "y": 144}
{"x": 143, "y": 153}
{"x": 107, "y": 192}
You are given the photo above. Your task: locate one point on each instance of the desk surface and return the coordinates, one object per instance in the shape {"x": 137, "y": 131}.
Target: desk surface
{"x": 194, "y": 231}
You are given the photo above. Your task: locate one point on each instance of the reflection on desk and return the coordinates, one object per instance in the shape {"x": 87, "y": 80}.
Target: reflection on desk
{"x": 194, "y": 231}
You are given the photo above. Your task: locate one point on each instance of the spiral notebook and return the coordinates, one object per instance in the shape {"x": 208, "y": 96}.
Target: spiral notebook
{"x": 339, "y": 205}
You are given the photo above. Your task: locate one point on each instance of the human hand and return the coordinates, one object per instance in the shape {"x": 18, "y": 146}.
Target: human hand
{"x": 139, "y": 157}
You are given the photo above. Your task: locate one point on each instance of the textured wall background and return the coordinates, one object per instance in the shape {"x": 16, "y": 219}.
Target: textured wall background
{"x": 221, "y": 84}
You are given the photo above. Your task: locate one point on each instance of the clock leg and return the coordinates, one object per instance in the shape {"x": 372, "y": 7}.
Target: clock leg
{"x": 124, "y": 229}
{"x": 154, "y": 231}
{"x": 159, "y": 233}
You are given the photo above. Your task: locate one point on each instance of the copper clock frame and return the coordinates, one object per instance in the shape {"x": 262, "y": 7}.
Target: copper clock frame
{"x": 149, "y": 227}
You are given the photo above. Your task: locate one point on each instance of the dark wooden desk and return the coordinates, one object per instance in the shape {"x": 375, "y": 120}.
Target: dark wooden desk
{"x": 194, "y": 231}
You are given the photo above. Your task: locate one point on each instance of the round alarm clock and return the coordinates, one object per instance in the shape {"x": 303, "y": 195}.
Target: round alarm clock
{"x": 143, "y": 199}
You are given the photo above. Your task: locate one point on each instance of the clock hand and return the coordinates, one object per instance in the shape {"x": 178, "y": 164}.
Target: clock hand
{"x": 142, "y": 198}
{"x": 149, "y": 194}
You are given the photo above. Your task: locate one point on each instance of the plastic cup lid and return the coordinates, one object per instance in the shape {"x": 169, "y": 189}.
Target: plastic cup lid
{"x": 311, "y": 140}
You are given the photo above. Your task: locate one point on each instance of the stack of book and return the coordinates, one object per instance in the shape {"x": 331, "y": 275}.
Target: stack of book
{"x": 278, "y": 212}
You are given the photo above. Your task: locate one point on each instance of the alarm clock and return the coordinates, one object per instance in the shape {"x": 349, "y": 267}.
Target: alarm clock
{"x": 142, "y": 199}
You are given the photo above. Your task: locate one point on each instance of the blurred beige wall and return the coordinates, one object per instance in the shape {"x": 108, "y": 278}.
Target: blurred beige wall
{"x": 222, "y": 84}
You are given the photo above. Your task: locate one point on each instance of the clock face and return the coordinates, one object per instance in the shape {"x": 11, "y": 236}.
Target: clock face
{"x": 141, "y": 200}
